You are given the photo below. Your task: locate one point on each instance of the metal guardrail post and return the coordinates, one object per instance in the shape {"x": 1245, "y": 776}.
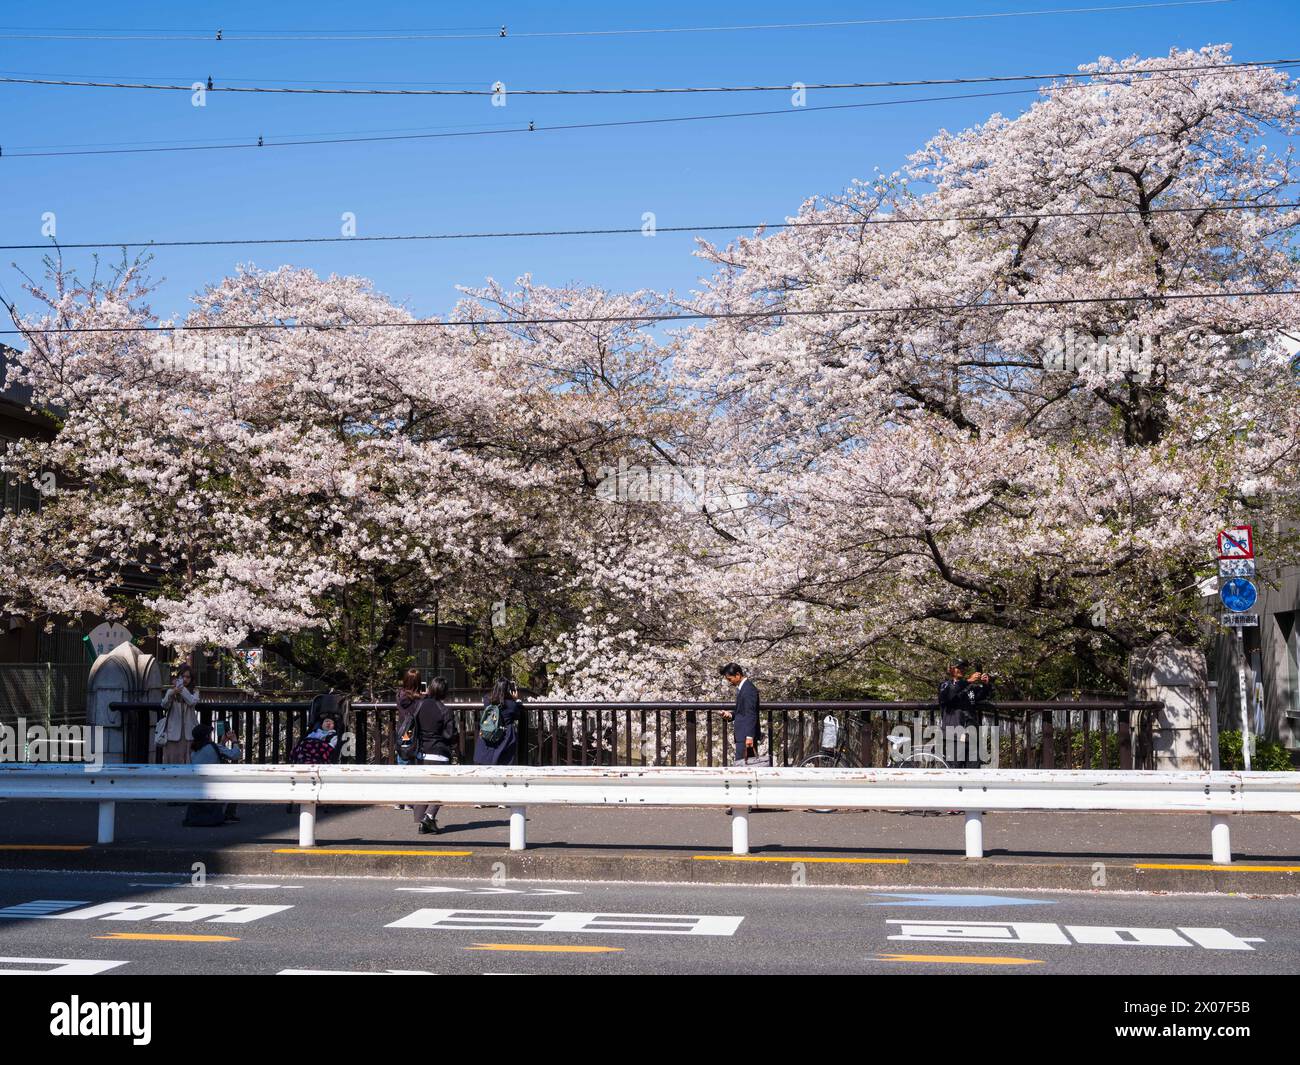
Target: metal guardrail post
{"x": 1220, "y": 840}
{"x": 1048, "y": 760}
{"x": 518, "y": 828}
{"x": 974, "y": 834}
{"x": 307, "y": 824}
{"x": 107, "y": 821}
{"x": 740, "y": 830}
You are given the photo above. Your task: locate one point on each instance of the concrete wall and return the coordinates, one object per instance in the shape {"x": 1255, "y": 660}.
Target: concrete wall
{"x": 1184, "y": 736}
{"x": 1279, "y": 603}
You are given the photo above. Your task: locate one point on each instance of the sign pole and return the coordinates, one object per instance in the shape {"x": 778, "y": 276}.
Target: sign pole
{"x": 1238, "y": 593}
{"x": 1241, "y": 683}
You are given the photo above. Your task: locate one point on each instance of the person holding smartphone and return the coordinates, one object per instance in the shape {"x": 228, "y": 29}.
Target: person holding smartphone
{"x": 179, "y": 718}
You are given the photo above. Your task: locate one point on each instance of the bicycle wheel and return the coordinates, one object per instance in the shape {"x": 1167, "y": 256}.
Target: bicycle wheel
{"x": 822, "y": 760}
{"x": 923, "y": 760}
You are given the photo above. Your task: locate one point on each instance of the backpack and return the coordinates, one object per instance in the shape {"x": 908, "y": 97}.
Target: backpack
{"x": 491, "y": 725}
{"x": 408, "y": 737}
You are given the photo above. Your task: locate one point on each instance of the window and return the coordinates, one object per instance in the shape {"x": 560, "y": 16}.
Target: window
{"x": 16, "y": 494}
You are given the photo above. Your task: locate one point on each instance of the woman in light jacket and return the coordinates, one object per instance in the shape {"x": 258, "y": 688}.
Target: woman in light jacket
{"x": 180, "y": 717}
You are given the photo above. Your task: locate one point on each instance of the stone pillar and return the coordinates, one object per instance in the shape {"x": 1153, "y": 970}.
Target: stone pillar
{"x": 1184, "y": 734}
{"x": 123, "y": 674}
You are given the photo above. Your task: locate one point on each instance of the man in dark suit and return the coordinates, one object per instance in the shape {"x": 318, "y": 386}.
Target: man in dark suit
{"x": 745, "y": 716}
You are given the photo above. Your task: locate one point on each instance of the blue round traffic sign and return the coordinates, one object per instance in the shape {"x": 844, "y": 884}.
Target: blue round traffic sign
{"x": 1238, "y": 595}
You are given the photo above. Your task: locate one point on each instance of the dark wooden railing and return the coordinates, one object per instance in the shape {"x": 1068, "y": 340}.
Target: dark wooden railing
{"x": 1081, "y": 734}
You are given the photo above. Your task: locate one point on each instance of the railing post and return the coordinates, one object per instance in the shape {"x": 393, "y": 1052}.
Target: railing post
{"x": 518, "y": 830}
{"x": 1220, "y": 840}
{"x": 692, "y": 755}
{"x": 107, "y": 819}
{"x": 740, "y": 830}
{"x": 307, "y": 824}
{"x": 974, "y": 834}
{"x": 1125, "y": 731}
{"x": 1048, "y": 759}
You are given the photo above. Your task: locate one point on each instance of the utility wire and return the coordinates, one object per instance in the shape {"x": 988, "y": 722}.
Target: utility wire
{"x": 212, "y": 86}
{"x": 469, "y": 33}
{"x": 532, "y": 127}
{"x": 887, "y": 220}
{"x": 653, "y": 318}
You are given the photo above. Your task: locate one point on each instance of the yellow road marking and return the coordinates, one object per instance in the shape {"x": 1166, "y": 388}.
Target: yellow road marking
{"x": 540, "y": 948}
{"x": 959, "y": 959}
{"x": 42, "y": 847}
{"x": 1233, "y": 867}
{"x": 170, "y": 937}
{"x": 343, "y": 850}
{"x": 774, "y": 858}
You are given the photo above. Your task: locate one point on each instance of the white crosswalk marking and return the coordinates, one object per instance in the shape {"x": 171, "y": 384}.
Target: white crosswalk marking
{"x": 41, "y": 907}
{"x": 166, "y": 912}
{"x": 566, "y": 922}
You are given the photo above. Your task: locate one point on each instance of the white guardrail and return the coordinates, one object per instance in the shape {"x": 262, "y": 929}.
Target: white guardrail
{"x": 973, "y": 791}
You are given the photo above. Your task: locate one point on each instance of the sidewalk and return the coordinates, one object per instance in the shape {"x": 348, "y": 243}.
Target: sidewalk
{"x": 1023, "y": 849}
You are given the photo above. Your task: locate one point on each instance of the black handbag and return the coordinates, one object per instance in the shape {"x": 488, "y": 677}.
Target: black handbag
{"x": 408, "y": 737}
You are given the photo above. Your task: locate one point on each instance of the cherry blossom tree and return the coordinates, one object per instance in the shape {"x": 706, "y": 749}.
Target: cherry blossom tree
{"x": 307, "y": 465}
{"x": 1017, "y": 429}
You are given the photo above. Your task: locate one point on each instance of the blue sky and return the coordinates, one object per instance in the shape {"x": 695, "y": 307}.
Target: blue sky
{"x": 740, "y": 170}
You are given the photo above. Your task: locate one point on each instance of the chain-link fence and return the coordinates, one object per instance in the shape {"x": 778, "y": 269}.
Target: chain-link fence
{"x": 42, "y": 693}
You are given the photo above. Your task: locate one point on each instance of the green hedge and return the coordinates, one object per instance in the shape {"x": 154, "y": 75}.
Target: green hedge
{"x": 1268, "y": 756}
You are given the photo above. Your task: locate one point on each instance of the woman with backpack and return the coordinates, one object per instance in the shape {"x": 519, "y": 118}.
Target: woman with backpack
{"x": 498, "y": 735}
{"x": 408, "y": 698}
{"x": 433, "y": 736}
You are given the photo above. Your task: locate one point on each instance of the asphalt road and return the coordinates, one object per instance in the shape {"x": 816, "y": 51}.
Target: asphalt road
{"x": 362, "y": 925}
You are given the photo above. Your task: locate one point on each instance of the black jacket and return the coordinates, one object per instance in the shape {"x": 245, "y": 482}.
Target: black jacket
{"x": 953, "y": 700}
{"x": 436, "y": 728}
{"x": 746, "y": 716}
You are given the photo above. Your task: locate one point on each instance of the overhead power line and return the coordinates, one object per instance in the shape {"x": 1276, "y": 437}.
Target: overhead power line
{"x": 503, "y": 32}
{"x": 884, "y": 220}
{"x": 650, "y": 319}
{"x": 500, "y": 89}
{"x": 531, "y": 127}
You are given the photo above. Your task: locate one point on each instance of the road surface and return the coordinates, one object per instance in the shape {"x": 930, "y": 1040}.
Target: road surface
{"x": 161, "y": 924}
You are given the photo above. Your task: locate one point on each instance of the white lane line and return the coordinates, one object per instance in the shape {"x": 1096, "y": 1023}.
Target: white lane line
{"x": 440, "y": 890}
{"x": 56, "y": 966}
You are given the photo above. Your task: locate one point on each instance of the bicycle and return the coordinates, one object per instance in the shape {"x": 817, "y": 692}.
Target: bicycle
{"x": 902, "y": 755}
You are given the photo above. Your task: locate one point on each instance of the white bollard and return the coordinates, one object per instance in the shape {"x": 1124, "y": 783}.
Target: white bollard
{"x": 307, "y": 824}
{"x": 974, "y": 834}
{"x": 740, "y": 830}
{"x": 518, "y": 828}
{"x": 1220, "y": 839}
{"x": 107, "y": 817}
